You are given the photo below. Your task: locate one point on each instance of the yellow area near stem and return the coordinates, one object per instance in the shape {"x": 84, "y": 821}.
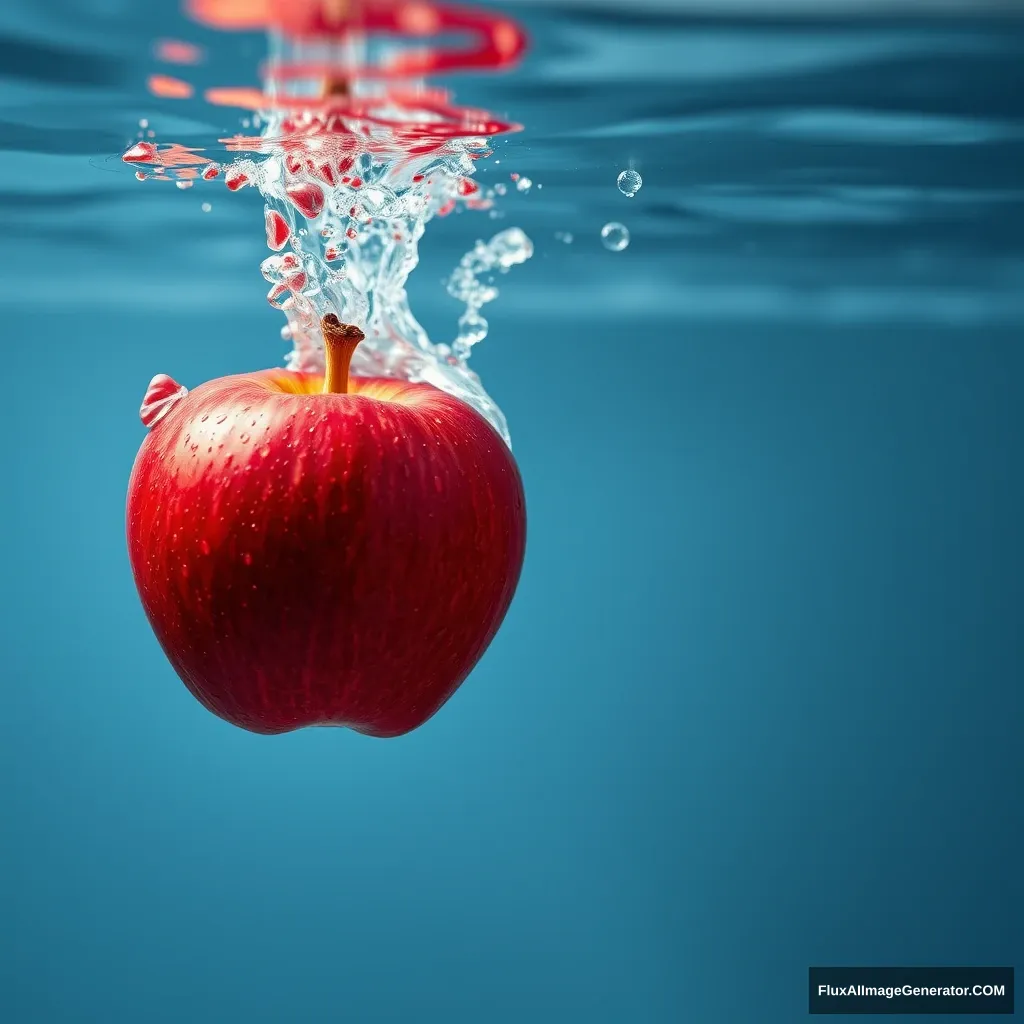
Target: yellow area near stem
{"x": 313, "y": 384}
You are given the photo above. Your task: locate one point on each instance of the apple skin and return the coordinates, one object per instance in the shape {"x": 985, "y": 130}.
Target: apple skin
{"x": 324, "y": 559}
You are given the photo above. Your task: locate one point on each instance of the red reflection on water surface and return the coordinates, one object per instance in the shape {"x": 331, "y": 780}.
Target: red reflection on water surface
{"x": 354, "y": 98}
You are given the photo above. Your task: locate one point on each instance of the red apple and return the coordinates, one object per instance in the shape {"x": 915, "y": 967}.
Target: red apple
{"x": 323, "y": 551}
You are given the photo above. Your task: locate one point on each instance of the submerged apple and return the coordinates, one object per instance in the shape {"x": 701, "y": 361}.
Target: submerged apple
{"x": 323, "y": 550}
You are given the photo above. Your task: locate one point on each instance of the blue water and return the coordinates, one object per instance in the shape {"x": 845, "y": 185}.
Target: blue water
{"x": 757, "y": 704}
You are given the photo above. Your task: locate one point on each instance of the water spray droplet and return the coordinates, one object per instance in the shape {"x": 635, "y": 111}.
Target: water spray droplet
{"x": 207, "y": 207}
{"x": 524, "y": 184}
{"x": 614, "y": 236}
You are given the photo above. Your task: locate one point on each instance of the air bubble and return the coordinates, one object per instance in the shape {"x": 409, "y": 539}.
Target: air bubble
{"x": 629, "y": 183}
{"x": 524, "y": 184}
{"x": 615, "y": 236}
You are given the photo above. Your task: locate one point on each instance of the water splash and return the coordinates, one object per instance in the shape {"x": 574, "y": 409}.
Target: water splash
{"x": 473, "y": 283}
{"x": 352, "y": 169}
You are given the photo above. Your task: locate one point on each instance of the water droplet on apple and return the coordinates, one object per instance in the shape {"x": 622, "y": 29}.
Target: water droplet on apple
{"x": 247, "y": 558}
{"x": 265, "y": 450}
{"x": 161, "y": 396}
{"x": 204, "y": 546}
{"x": 244, "y": 438}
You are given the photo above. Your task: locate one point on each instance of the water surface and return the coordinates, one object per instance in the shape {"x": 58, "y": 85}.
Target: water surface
{"x": 757, "y": 703}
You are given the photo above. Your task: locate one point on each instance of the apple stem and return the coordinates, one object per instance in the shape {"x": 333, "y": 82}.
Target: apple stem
{"x": 340, "y": 342}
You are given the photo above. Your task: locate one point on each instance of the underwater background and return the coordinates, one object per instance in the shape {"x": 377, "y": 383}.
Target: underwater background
{"x": 757, "y": 703}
